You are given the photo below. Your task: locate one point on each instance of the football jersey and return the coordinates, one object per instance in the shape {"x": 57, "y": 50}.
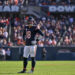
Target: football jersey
{"x": 30, "y": 33}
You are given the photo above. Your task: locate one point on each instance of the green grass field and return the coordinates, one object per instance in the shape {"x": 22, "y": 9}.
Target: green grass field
{"x": 42, "y": 68}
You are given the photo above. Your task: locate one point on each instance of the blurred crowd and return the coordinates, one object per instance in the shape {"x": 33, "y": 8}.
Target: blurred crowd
{"x": 11, "y": 2}
{"x": 57, "y": 2}
{"x": 19, "y": 2}
{"x": 4, "y": 23}
{"x": 5, "y": 54}
{"x": 36, "y": 2}
{"x": 57, "y": 30}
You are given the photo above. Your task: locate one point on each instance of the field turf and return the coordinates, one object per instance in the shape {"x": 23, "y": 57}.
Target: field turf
{"x": 42, "y": 68}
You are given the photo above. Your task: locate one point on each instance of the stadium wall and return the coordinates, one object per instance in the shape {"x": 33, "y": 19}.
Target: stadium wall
{"x": 53, "y": 53}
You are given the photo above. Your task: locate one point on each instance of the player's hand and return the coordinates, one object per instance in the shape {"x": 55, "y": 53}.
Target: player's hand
{"x": 38, "y": 26}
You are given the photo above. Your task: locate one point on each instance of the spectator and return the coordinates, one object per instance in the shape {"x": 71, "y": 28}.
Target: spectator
{"x": 67, "y": 41}
{"x": 40, "y": 43}
{"x": 8, "y": 54}
{"x": 5, "y": 34}
{"x": 54, "y": 42}
{"x": 2, "y": 53}
{"x": 16, "y": 2}
{"x": 4, "y": 43}
{"x": 44, "y": 52}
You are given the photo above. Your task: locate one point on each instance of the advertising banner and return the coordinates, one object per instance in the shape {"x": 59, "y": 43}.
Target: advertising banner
{"x": 8, "y": 8}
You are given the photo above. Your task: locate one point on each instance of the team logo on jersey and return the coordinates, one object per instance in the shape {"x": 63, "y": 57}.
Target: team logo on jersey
{"x": 28, "y": 34}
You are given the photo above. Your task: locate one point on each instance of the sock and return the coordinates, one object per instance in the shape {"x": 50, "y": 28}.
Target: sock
{"x": 25, "y": 64}
{"x": 33, "y": 63}
{"x": 32, "y": 68}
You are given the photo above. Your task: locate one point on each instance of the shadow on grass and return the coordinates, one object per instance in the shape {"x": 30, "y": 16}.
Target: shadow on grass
{"x": 9, "y": 73}
{"x": 14, "y": 73}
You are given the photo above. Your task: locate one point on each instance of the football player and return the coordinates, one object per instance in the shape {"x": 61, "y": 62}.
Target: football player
{"x": 31, "y": 44}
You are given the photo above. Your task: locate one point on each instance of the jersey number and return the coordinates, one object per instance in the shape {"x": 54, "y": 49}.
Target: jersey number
{"x": 28, "y": 34}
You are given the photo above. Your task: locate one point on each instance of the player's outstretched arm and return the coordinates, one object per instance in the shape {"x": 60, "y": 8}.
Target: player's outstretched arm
{"x": 24, "y": 33}
{"x": 39, "y": 31}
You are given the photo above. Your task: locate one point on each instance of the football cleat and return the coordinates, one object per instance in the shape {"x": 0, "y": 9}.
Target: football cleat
{"x": 31, "y": 71}
{"x": 22, "y": 71}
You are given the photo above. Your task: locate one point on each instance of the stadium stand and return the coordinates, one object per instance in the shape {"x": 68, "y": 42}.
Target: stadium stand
{"x": 11, "y": 2}
{"x": 37, "y": 2}
{"x": 58, "y": 30}
{"x": 4, "y": 23}
{"x": 52, "y": 27}
{"x": 56, "y": 2}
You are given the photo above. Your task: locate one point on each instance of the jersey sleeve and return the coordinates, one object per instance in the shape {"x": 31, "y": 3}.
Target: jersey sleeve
{"x": 24, "y": 33}
{"x": 39, "y": 31}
